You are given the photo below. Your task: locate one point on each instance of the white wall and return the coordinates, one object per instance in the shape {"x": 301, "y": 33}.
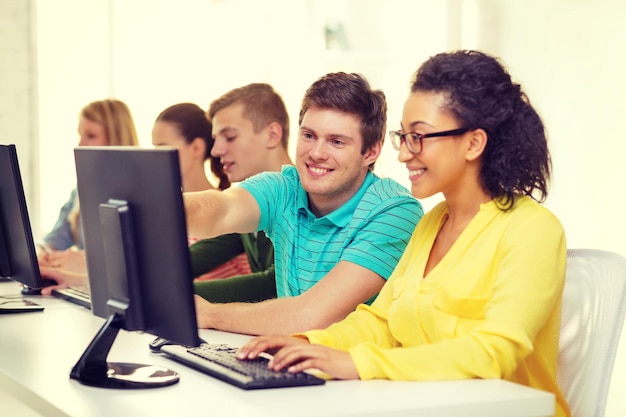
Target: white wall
{"x": 18, "y": 118}
{"x": 73, "y": 70}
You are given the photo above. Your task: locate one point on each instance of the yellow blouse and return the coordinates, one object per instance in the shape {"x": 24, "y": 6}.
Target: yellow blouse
{"x": 491, "y": 308}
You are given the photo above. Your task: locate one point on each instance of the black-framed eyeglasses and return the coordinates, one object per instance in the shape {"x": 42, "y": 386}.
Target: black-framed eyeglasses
{"x": 413, "y": 140}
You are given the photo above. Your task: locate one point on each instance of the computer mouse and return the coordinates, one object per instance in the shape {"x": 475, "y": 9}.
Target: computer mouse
{"x": 26, "y": 290}
{"x": 159, "y": 342}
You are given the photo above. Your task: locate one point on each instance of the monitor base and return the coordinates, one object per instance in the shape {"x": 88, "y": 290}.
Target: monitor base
{"x": 93, "y": 369}
{"x": 130, "y": 376}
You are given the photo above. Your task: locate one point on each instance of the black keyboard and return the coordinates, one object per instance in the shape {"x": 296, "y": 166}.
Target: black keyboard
{"x": 219, "y": 361}
{"x": 77, "y": 295}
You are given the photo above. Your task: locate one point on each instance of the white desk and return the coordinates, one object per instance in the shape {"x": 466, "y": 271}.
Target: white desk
{"x": 37, "y": 351}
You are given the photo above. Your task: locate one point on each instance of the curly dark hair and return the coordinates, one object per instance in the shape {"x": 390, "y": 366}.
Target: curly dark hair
{"x": 480, "y": 94}
{"x": 352, "y": 94}
{"x": 192, "y": 123}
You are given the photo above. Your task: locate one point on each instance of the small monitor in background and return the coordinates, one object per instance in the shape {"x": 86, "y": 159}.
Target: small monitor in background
{"x": 18, "y": 259}
{"x": 137, "y": 258}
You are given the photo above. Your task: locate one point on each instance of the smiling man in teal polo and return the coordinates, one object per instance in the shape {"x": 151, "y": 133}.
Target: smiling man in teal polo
{"x": 338, "y": 230}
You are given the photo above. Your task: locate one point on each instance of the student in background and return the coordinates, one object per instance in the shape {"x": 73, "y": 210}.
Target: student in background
{"x": 105, "y": 122}
{"x": 338, "y": 230}
{"x": 101, "y": 123}
{"x": 251, "y": 133}
{"x": 186, "y": 127}
{"x": 477, "y": 294}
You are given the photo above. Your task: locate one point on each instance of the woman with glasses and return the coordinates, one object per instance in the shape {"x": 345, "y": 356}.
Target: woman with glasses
{"x": 477, "y": 293}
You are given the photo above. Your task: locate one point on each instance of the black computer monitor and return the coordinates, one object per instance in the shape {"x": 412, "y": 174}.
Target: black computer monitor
{"x": 18, "y": 260}
{"x": 138, "y": 258}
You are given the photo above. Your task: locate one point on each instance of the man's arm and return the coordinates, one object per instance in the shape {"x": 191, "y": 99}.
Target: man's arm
{"x": 330, "y": 300}
{"x": 212, "y": 213}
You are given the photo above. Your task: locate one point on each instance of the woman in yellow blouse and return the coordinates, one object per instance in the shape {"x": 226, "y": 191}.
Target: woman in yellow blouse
{"x": 477, "y": 293}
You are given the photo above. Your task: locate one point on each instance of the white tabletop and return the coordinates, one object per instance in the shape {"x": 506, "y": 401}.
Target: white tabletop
{"x": 38, "y": 350}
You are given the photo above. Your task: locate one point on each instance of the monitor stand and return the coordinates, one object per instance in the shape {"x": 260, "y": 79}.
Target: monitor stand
{"x": 93, "y": 369}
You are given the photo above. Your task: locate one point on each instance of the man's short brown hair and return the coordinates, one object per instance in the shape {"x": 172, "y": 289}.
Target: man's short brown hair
{"x": 261, "y": 105}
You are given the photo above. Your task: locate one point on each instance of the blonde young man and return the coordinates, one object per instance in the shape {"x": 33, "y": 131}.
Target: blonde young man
{"x": 338, "y": 230}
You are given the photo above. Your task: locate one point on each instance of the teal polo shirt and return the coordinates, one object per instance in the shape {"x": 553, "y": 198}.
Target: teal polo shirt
{"x": 371, "y": 229}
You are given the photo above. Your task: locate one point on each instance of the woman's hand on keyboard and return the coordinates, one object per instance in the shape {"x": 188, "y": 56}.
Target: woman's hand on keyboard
{"x": 296, "y": 354}
{"x": 267, "y": 344}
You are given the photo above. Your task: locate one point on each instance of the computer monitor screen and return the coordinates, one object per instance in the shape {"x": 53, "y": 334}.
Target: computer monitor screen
{"x": 18, "y": 260}
{"x": 137, "y": 253}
